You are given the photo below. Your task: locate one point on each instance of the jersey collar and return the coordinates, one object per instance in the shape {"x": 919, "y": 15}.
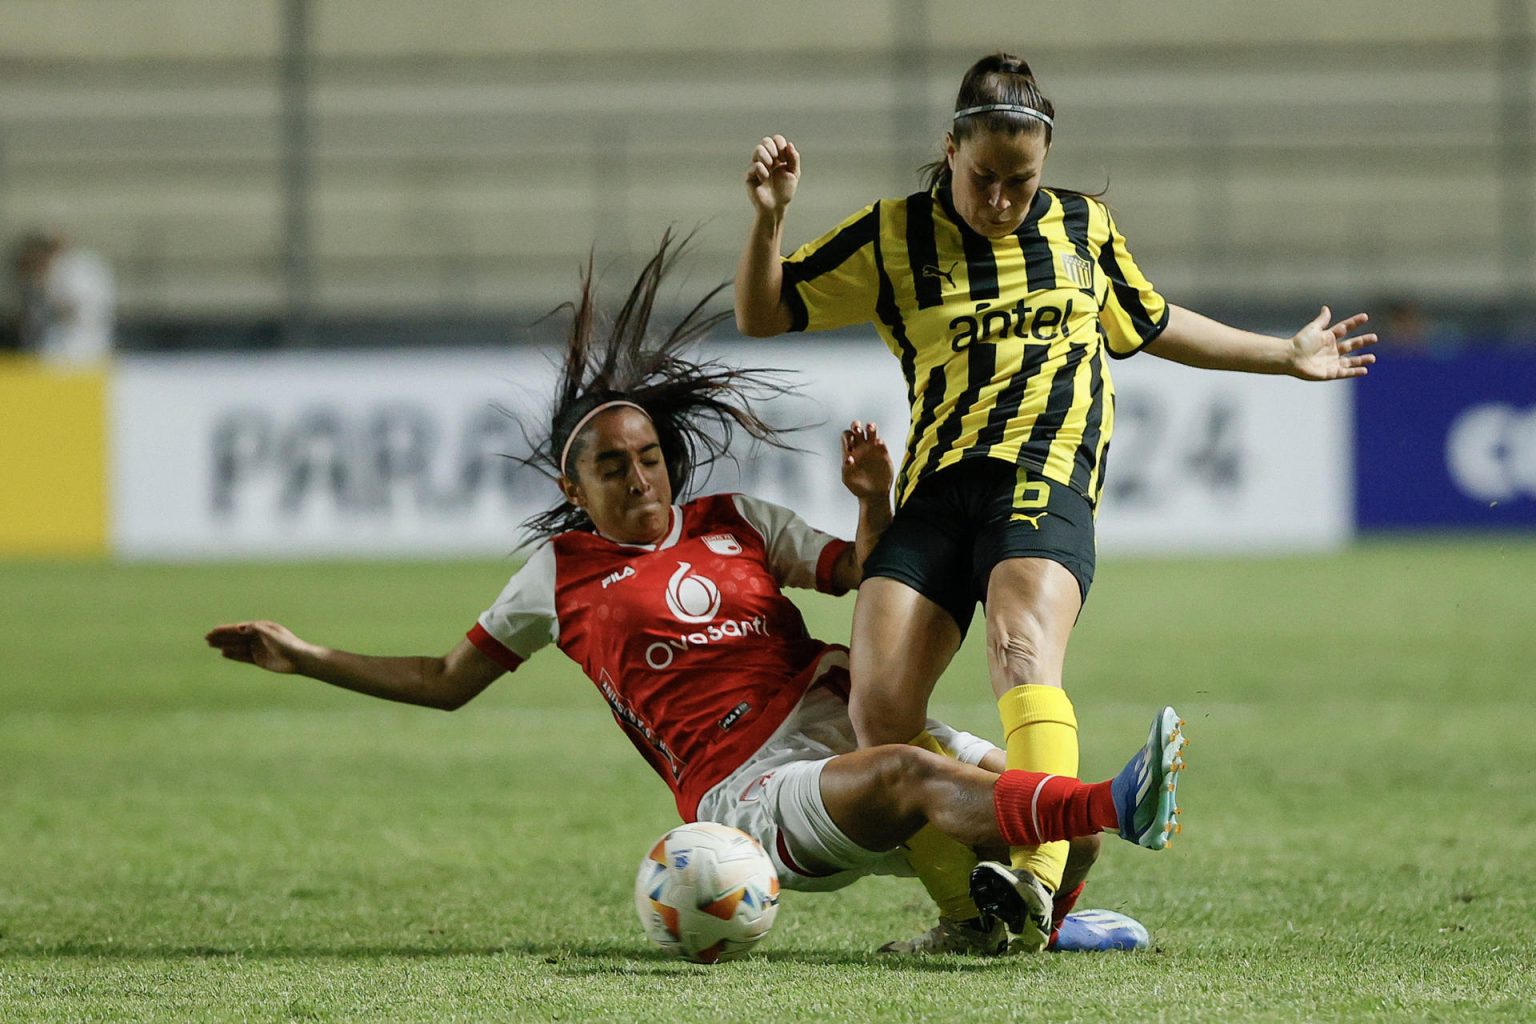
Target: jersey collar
{"x": 673, "y": 534}
{"x": 1037, "y": 207}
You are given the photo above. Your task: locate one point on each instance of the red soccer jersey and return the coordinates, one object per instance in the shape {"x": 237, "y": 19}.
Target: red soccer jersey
{"x": 691, "y": 641}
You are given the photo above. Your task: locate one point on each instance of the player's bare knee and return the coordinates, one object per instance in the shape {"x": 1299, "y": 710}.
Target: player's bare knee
{"x": 903, "y": 768}
{"x": 1020, "y": 653}
{"x": 876, "y": 722}
{"x": 1084, "y": 850}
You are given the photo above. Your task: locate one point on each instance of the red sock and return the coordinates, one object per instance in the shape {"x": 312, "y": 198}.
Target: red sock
{"x": 1062, "y": 906}
{"x": 1034, "y": 808}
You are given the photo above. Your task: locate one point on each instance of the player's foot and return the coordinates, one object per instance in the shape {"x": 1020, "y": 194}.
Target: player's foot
{"x": 1146, "y": 789}
{"x": 1019, "y": 899}
{"x": 1099, "y": 931}
{"x": 980, "y": 936}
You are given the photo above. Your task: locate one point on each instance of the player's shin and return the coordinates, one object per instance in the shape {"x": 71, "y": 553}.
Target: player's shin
{"x": 942, "y": 864}
{"x": 1040, "y": 727}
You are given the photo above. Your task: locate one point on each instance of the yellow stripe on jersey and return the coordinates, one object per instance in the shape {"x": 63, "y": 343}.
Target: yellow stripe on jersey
{"x": 1003, "y": 342}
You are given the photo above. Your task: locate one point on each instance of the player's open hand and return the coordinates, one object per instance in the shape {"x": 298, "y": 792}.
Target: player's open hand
{"x": 773, "y": 174}
{"x": 1323, "y": 352}
{"x": 266, "y": 645}
{"x": 867, "y": 471}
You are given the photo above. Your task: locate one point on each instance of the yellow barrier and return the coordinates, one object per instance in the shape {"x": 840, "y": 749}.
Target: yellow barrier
{"x": 53, "y": 460}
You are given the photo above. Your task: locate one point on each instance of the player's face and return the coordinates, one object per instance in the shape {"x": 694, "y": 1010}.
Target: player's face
{"x": 621, "y": 478}
{"x": 996, "y": 176}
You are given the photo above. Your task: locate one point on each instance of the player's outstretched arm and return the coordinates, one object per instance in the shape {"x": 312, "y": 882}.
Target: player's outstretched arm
{"x": 867, "y": 473}
{"x": 1321, "y": 350}
{"x": 773, "y": 174}
{"x": 447, "y": 682}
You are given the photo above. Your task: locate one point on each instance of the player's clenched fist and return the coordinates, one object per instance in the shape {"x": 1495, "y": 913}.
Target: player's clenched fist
{"x": 773, "y": 174}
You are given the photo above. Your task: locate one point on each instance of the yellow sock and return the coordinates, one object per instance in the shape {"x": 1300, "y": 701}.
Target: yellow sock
{"x": 942, "y": 864}
{"x": 1041, "y": 736}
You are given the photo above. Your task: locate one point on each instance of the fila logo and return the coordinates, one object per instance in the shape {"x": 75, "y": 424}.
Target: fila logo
{"x": 1033, "y": 520}
{"x": 691, "y": 597}
{"x": 723, "y": 543}
{"x": 614, "y": 577}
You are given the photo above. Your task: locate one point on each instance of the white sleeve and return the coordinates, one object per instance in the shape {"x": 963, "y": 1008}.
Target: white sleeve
{"x": 967, "y": 748}
{"x": 523, "y": 618}
{"x": 798, "y": 554}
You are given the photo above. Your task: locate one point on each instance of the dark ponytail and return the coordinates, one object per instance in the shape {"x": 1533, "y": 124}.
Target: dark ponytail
{"x": 696, "y": 407}
{"x": 997, "y": 78}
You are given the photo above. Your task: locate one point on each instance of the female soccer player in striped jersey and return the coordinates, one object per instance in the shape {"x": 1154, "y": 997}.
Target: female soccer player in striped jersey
{"x": 676, "y": 613}
{"x": 1002, "y": 299}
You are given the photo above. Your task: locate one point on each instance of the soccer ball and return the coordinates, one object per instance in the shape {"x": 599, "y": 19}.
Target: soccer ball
{"x": 706, "y": 892}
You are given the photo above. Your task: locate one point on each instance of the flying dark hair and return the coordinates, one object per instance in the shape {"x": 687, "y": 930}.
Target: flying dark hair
{"x": 996, "y": 78}
{"x": 696, "y": 407}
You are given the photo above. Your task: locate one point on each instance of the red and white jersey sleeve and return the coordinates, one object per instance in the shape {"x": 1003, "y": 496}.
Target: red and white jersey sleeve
{"x": 799, "y": 554}
{"x": 523, "y": 618}
{"x": 690, "y": 641}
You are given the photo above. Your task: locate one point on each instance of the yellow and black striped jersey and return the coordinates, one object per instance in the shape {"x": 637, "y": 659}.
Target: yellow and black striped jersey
{"x": 1002, "y": 341}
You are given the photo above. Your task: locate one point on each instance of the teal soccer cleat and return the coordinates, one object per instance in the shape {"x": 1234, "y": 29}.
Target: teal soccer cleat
{"x": 1146, "y": 789}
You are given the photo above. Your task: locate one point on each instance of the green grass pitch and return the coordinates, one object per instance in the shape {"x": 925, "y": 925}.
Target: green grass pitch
{"x": 183, "y": 838}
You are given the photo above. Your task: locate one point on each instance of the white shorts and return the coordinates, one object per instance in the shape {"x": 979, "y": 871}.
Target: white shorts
{"x": 775, "y": 796}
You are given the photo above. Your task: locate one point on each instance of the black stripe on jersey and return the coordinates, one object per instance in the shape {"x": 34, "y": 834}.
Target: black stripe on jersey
{"x": 1006, "y": 407}
{"x": 1093, "y": 425}
{"x": 923, "y": 252}
{"x": 1074, "y": 220}
{"x": 933, "y": 394}
{"x": 980, "y": 263}
{"x": 1128, "y": 297}
{"x": 981, "y": 363}
{"x": 1039, "y": 261}
{"x": 890, "y": 315}
{"x": 1057, "y": 405}
{"x": 829, "y": 257}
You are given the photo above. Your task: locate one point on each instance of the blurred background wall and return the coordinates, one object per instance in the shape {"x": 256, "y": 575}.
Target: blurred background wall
{"x": 263, "y": 173}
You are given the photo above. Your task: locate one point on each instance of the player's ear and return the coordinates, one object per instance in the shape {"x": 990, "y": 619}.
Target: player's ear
{"x": 572, "y": 491}
{"x": 949, "y": 150}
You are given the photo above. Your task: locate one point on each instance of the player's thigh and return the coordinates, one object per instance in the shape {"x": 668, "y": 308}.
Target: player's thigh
{"x": 901, "y": 644}
{"x": 1037, "y": 556}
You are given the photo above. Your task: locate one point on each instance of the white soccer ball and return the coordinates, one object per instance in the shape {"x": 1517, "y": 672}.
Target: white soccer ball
{"x": 706, "y": 892}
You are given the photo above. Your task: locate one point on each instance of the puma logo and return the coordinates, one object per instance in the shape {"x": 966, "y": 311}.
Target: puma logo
{"x": 948, "y": 275}
{"x": 1033, "y": 520}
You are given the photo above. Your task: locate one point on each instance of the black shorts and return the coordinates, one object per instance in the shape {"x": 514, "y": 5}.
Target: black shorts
{"x": 963, "y": 520}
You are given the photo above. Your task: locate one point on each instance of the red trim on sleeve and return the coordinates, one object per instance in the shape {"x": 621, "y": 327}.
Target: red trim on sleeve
{"x": 493, "y": 648}
{"x": 829, "y": 556}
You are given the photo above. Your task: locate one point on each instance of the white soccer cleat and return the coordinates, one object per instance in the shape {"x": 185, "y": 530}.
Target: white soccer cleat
{"x": 981, "y": 936}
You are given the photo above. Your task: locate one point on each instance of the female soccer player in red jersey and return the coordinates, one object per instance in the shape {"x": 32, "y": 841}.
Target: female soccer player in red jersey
{"x": 1002, "y": 299}
{"x": 676, "y": 612}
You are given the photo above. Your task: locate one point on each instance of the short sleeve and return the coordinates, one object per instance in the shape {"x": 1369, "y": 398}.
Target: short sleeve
{"x": 1134, "y": 312}
{"x": 799, "y": 555}
{"x": 522, "y": 619}
{"x": 832, "y": 282}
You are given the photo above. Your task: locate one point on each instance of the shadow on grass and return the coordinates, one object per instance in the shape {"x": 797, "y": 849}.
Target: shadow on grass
{"x": 584, "y": 959}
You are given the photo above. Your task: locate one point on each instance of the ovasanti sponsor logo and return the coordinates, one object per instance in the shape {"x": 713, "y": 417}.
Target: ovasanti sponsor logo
{"x": 661, "y": 654}
{"x": 692, "y": 597}
{"x": 614, "y": 577}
